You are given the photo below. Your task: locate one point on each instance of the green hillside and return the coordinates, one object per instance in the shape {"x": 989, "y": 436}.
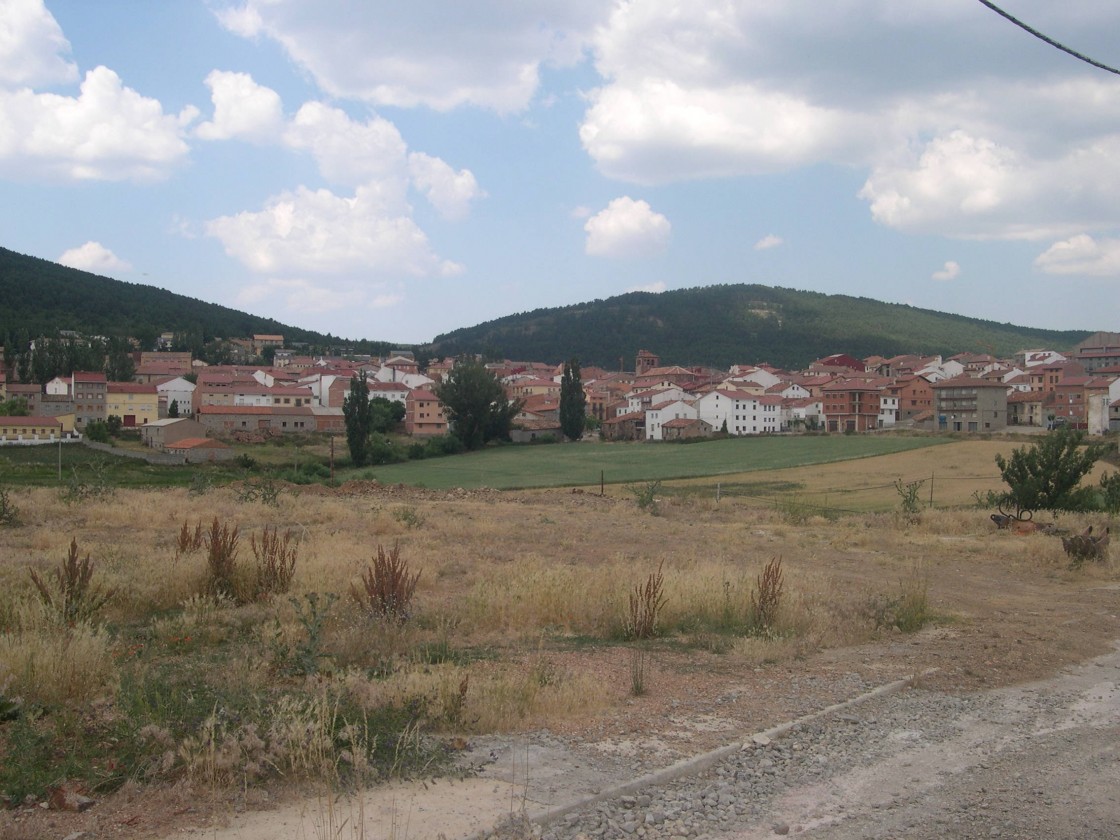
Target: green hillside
{"x": 739, "y": 324}
{"x": 713, "y": 325}
{"x": 38, "y": 297}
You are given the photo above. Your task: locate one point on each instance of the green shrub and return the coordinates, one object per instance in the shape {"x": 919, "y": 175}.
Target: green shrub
{"x": 9, "y": 511}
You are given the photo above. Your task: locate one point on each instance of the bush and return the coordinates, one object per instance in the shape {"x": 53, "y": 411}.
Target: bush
{"x": 444, "y": 445}
{"x": 98, "y": 431}
{"x": 9, "y": 511}
{"x": 1110, "y": 492}
{"x": 1047, "y": 475}
{"x": 381, "y": 450}
{"x": 646, "y": 496}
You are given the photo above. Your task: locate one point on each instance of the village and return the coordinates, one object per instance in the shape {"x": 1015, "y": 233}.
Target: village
{"x": 191, "y": 411}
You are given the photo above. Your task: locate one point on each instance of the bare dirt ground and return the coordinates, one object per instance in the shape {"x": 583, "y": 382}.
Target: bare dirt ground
{"x": 1010, "y": 613}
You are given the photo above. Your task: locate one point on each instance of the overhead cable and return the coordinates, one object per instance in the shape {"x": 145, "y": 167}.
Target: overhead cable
{"x": 1048, "y": 39}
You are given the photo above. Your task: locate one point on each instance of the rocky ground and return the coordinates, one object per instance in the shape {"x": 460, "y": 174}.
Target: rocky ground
{"x": 1041, "y": 760}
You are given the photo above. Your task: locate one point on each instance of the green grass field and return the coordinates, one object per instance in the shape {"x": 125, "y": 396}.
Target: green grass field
{"x": 586, "y": 463}
{"x": 507, "y": 467}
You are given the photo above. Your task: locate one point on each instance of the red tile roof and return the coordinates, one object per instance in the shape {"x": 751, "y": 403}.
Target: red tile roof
{"x": 197, "y": 443}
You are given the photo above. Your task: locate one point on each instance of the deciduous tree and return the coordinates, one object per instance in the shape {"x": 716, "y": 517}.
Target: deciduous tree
{"x": 475, "y": 404}
{"x": 1047, "y": 475}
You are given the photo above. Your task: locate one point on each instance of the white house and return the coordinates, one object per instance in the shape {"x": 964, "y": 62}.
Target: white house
{"x": 748, "y": 374}
{"x": 740, "y": 413}
{"x": 662, "y": 413}
{"x": 58, "y": 387}
{"x": 888, "y": 409}
{"x": 803, "y": 413}
{"x": 178, "y": 391}
{"x": 644, "y": 400}
{"x": 1033, "y": 358}
{"x": 394, "y": 391}
{"x": 412, "y": 381}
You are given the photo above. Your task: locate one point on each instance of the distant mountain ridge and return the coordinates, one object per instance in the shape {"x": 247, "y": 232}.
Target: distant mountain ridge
{"x": 713, "y": 325}
{"x": 741, "y": 324}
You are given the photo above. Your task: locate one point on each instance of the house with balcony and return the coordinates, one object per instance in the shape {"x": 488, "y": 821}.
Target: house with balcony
{"x": 969, "y": 404}
{"x": 423, "y": 414}
{"x": 852, "y": 405}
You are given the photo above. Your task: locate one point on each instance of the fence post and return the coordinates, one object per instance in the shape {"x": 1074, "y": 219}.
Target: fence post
{"x": 931, "y": 489}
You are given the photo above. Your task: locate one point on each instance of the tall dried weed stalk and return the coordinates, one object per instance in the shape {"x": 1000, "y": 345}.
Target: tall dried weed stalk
{"x": 767, "y": 598}
{"x": 646, "y": 602}
{"x": 275, "y": 555}
{"x": 387, "y": 586}
{"x": 69, "y": 591}
{"x": 190, "y": 541}
{"x": 221, "y": 559}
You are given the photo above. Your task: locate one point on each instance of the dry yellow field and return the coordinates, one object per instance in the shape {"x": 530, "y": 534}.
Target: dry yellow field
{"x": 522, "y": 604}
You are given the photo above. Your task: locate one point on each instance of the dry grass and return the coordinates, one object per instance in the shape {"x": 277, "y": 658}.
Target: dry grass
{"x": 512, "y": 584}
{"x": 55, "y": 665}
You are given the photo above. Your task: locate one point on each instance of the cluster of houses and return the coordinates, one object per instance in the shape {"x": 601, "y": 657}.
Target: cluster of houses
{"x": 182, "y": 405}
{"x": 969, "y": 392}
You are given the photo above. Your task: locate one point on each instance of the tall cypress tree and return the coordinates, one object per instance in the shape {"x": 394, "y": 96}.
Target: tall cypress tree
{"x": 573, "y": 402}
{"x": 358, "y": 413}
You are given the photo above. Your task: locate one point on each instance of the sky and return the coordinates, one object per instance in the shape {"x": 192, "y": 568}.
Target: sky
{"x": 394, "y": 171}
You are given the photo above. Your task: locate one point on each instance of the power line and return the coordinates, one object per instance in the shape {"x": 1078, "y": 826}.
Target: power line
{"x": 1048, "y": 39}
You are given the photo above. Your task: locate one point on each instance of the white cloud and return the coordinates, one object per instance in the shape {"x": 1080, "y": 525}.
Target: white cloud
{"x": 298, "y": 296}
{"x": 955, "y": 176}
{"x": 658, "y": 130}
{"x": 627, "y": 228}
{"x": 32, "y": 46}
{"x": 950, "y": 271}
{"x": 350, "y": 152}
{"x": 653, "y": 288}
{"x": 93, "y": 257}
{"x": 316, "y": 231}
{"x": 487, "y": 53}
{"x": 450, "y": 192}
{"x": 242, "y": 109}
{"x": 1082, "y": 254}
{"x": 963, "y": 130}
{"x": 109, "y": 132}
{"x": 767, "y": 242}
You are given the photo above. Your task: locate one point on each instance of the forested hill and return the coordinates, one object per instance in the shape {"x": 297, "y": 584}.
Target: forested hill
{"x": 38, "y": 297}
{"x": 739, "y": 324}
{"x": 713, "y": 325}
